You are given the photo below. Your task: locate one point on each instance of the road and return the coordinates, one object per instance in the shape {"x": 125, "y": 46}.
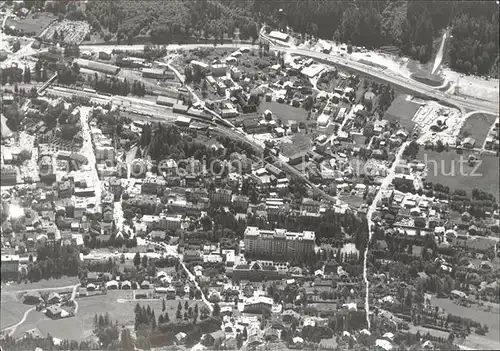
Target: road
{"x": 74, "y": 288}
{"x": 13, "y": 328}
{"x": 6, "y": 16}
{"x": 172, "y": 251}
{"x": 73, "y": 297}
{"x": 385, "y": 183}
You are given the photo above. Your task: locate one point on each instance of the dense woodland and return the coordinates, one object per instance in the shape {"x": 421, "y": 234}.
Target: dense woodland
{"x": 409, "y": 26}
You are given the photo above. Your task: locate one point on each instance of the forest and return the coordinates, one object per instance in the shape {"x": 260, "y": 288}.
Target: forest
{"x": 410, "y": 27}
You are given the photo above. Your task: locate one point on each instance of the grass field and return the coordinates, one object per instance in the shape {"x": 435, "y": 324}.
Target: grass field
{"x": 402, "y": 111}
{"x": 12, "y": 310}
{"x": 477, "y": 126}
{"x": 31, "y": 24}
{"x": 284, "y": 112}
{"x": 80, "y": 327}
{"x": 488, "y": 318}
{"x": 42, "y": 284}
{"x": 123, "y": 312}
{"x": 446, "y": 162}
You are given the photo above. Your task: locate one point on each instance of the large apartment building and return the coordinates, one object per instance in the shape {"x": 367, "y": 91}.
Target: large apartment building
{"x": 279, "y": 244}
{"x": 10, "y": 267}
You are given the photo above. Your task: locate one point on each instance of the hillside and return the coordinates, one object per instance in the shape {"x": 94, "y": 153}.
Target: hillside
{"x": 410, "y": 26}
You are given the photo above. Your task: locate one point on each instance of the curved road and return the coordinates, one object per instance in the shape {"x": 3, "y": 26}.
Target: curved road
{"x": 13, "y": 328}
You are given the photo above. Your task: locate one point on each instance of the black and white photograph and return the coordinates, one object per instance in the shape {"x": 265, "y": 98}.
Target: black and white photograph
{"x": 199, "y": 175}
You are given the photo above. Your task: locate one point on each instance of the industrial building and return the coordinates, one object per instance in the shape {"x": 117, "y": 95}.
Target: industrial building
{"x": 98, "y": 66}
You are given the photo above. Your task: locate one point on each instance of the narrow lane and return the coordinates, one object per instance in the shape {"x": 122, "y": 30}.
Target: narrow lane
{"x": 385, "y": 183}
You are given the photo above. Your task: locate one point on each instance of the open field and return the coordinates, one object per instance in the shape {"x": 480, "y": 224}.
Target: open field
{"x": 122, "y": 312}
{"x": 477, "y": 126}
{"x": 284, "y": 112}
{"x": 446, "y": 170}
{"x": 80, "y": 327}
{"x": 402, "y": 111}
{"x": 33, "y": 23}
{"x": 489, "y": 318}
{"x": 42, "y": 284}
{"x": 12, "y": 310}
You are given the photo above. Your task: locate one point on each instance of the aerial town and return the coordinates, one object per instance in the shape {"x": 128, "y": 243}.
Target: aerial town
{"x": 225, "y": 176}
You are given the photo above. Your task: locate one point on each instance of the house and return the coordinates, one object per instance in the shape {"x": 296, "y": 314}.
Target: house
{"x": 289, "y": 315}
{"x": 469, "y": 143}
{"x": 279, "y": 36}
{"x": 145, "y": 285}
{"x": 54, "y": 312}
{"x": 180, "y": 338}
{"x": 54, "y": 298}
{"x": 32, "y": 298}
{"x": 112, "y": 285}
{"x": 212, "y": 338}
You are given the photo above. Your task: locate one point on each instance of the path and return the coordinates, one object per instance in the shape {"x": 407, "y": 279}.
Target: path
{"x": 73, "y": 296}
{"x": 439, "y": 55}
{"x": 385, "y": 183}
{"x": 13, "y": 328}
{"x": 193, "y": 279}
{"x": 6, "y": 16}
{"x": 67, "y": 287}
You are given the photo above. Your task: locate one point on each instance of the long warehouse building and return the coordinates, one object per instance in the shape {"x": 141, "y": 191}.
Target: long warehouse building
{"x": 98, "y": 66}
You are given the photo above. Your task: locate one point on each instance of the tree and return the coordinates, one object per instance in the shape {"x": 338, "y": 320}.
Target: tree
{"x": 145, "y": 261}
{"x": 27, "y": 75}
{"x": 16, "y": 46}
{"x": 127, "y": 343}
{"x": 163, "y": 305}
{"x": 216, "y": 310}
{"x": 137, "y": 259}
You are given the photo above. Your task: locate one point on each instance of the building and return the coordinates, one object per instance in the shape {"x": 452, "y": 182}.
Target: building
{"x": 156, "y": 73}
{"x": 279, "y": 36}
{"x": 153, "y": 186}
{"x": 323, "y": 120}
{"x": 8, "y": 175}
{"x": 104, "y": 153}
{"x": 469, "y": 143}
{"x": 279, "y": 244}
{"x": 115, "y": 187}
{"x": 255, "y": 272}
{"x": 10, "y": 267}
{"x": 240, "y": 202}
{"x": 98, "y": 66}
{"x": 258, "y": 304}
{"x": 219, "y": 70}
{"x": 220, "y": 196}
